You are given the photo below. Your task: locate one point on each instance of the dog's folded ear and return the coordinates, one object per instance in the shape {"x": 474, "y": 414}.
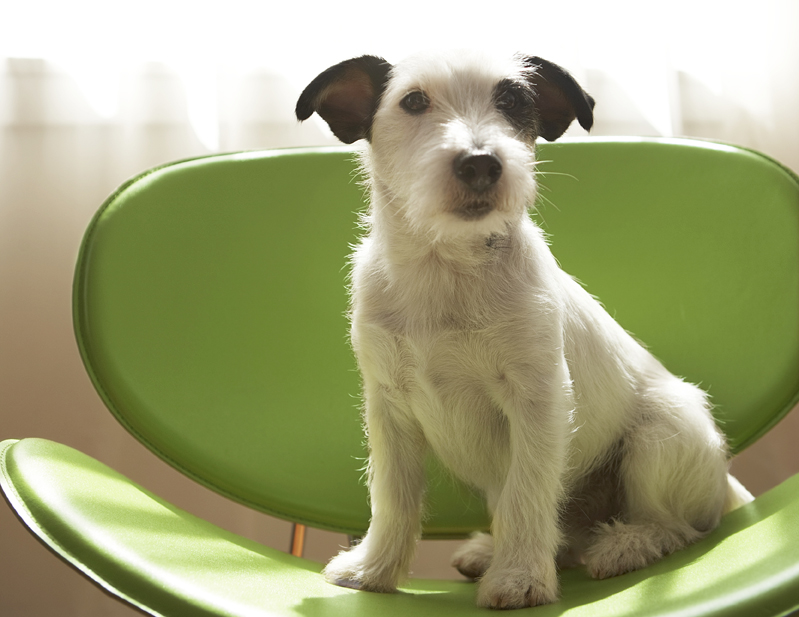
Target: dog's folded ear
{"x": 346, "y": 96}
{"x": 559, "y": 98}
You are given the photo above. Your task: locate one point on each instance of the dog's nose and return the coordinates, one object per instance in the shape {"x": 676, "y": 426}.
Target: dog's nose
{"x": 478, "y": 170}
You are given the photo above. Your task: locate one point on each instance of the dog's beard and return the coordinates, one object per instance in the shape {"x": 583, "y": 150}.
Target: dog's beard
{"x": 450, "y": 211}
{"x": 475, "y": 209}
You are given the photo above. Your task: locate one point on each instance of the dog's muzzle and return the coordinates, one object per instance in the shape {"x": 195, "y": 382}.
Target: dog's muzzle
{"x": 478, "y": 170}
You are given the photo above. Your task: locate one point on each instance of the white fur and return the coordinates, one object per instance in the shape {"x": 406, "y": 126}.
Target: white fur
{"x": 474, "y": 344}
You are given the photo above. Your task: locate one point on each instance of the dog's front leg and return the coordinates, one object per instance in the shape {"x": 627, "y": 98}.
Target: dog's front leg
{"x": 396, "y": 484}
{"x": 525, "y": 520}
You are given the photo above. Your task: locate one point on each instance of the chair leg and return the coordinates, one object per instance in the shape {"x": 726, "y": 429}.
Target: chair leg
{"x": 297, "y": 539}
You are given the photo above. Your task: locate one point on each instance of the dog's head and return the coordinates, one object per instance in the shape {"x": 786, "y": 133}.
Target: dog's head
{"x": 451, "y": 135}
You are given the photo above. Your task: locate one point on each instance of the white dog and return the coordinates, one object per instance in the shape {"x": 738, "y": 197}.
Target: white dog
{"x": 473, "y": 343}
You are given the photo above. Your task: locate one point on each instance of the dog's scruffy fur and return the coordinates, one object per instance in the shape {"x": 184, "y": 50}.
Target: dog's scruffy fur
{"x": 474, "y": 344}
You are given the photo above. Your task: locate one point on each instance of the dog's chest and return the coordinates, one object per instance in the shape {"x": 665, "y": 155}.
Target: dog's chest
{"x": 444, "y": 343}
{"x": 448, "y": 382}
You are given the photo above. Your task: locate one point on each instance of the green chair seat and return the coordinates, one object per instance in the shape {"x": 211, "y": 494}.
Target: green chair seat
{"x": 210, "y": 311}
{"x": 168, "y": 562}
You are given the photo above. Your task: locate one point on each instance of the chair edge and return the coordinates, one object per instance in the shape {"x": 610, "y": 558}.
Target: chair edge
{"x": 28, "y": 521}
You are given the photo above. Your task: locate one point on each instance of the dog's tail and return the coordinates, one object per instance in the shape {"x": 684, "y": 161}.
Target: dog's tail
{"x": 737, "y": 495}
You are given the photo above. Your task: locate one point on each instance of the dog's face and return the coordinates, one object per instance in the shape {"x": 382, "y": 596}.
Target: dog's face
{"x": 452, "y": 136}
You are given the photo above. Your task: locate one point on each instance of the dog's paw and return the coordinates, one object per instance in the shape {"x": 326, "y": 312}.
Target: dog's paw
{"x": 508, "y": 589}
{"x": 352, "y": 568}
{"x": 619, "y": 548}
{"x": 474, "y": 556}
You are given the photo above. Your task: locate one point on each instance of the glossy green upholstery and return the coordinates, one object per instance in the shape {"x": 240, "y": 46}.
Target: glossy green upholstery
{"x": 210, "y": 312}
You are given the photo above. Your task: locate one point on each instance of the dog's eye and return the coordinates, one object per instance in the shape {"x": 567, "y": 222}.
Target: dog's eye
{"x": 415, "y": 102}
{"x": 507, "y": 100}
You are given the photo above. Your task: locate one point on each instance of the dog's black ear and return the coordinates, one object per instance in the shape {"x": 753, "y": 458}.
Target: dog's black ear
{"x": 559, "y": 98}
{"x": 346, "y": 96}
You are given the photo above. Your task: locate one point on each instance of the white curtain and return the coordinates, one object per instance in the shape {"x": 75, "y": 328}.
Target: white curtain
{"x": 93, "y": 92}
{"x": 224, "y": 76}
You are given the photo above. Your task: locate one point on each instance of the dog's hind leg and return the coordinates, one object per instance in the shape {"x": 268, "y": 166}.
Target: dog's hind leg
{"x": 674, "y": 475}
{"x": 473, "y": 557}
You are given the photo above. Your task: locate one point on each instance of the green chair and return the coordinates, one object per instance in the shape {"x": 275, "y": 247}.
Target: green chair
{"x": 210, "y": 311}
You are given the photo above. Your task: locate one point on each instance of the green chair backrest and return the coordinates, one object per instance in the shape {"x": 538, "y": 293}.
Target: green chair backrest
{"x": 210, "y": 305}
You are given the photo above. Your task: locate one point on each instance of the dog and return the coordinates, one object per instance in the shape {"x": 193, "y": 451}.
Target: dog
{"x": 472, "y": 343}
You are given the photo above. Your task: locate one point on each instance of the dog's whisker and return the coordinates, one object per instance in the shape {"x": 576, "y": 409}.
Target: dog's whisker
{"x": 546, "y": 201}
{"x": 545, "y": 173}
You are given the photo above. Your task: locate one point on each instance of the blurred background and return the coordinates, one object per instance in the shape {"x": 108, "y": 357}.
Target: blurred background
{"x": 93, "y": 92}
